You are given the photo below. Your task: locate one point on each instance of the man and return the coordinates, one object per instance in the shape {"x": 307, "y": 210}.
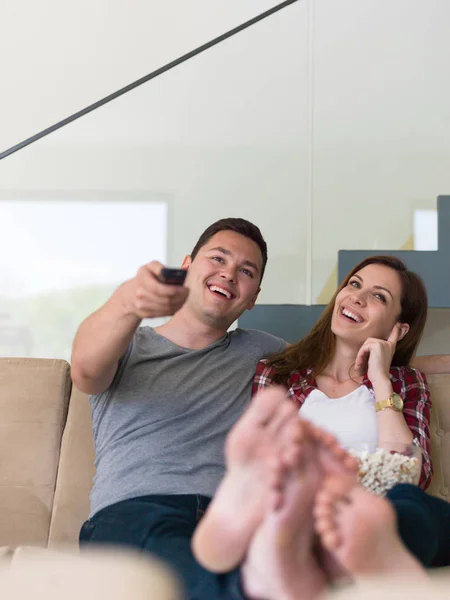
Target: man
{"x": 164, "y": 400}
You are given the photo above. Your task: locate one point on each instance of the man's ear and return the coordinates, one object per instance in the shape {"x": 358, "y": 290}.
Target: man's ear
{"x": 254, "y": 299}
{"x": 186, "y": 262}
{"x": 404, "y": 328}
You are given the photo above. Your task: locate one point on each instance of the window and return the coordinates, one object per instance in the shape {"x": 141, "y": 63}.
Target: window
{"x": 61, "y": 259}
{"x": 425, "y": 230}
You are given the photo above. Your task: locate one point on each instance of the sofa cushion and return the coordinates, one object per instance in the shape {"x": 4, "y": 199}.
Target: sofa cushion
{"x": 440, "y": 435}
{"x": 34, "y": 395}
{"x": 76, "y": 472}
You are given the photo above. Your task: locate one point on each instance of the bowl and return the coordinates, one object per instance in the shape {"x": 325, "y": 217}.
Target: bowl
{"x": 389, "y": 464}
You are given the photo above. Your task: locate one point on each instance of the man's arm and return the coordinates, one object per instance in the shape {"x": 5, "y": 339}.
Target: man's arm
{"x": 102, "y": 338}
{"x": 434, "y": 364}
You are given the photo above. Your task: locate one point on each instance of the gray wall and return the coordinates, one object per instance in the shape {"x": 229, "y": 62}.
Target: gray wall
{"x": 293, "y": 322}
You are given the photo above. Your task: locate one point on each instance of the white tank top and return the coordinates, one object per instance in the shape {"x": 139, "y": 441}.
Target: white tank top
{"x": 351, "y": 418}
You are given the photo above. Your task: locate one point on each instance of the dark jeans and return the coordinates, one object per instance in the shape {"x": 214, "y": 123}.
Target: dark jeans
{"x": 423, "y": 523}
{"x": 163, "y": 525}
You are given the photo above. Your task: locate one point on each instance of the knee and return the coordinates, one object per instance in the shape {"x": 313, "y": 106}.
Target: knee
{"x": 412, "y": 508}
{"x": 406, "y": 491}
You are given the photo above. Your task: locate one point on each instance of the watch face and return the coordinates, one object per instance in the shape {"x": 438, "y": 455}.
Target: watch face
{"x": 397, "y": 402}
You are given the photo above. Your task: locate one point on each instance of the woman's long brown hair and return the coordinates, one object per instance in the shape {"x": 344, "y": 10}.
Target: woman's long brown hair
{"x": 316, "y": 350}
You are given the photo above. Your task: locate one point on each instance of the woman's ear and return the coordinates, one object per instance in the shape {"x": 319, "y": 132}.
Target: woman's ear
{"x": 403, "y": 330}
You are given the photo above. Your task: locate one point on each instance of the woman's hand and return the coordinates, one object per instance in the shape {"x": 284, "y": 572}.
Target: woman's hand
{"x": 378, "y": 354}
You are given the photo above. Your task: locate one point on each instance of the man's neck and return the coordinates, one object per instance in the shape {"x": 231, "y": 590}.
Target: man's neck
{"x": 185, "y": 330}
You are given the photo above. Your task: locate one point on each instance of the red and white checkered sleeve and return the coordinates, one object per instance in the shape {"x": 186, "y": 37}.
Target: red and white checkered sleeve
{"x": 416, "y": 410}
{"x": 263, "y": 377}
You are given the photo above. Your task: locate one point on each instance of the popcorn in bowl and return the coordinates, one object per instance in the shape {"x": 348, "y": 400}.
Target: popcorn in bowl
{"x": 393, "y": 463}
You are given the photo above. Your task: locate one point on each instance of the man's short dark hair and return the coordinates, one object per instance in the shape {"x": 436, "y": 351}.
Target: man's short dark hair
{"x": 241, "y": 226}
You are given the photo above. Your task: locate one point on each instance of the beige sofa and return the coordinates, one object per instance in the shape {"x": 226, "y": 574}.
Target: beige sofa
{"x": 46, "y": 471}
{"x": 47, "y": 455}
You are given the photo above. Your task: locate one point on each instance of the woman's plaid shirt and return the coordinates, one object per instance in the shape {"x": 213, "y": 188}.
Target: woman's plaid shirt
{"x": 410, "y": 383}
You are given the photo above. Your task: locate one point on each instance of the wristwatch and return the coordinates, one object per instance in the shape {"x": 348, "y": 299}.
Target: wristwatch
{"x": 395, "y": 402}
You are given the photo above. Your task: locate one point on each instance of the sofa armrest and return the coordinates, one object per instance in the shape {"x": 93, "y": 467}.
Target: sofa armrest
{"x": 95, "y": 574}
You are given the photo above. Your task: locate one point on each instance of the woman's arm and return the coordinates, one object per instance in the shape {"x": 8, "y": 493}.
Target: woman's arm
{"x": 378, "y": 353}
{"x": 416, "y": 410}
{"x": 263, "y": 377}
{"x": 412, "y": 424}
{"x": 392, "y": 425}
{"x": 411, "y": 385}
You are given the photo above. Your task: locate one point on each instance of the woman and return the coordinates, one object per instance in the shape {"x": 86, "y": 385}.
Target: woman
{"x": 350, "y": 374}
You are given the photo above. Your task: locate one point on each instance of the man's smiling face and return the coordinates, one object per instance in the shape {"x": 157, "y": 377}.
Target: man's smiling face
{"x": 224, "y": 278}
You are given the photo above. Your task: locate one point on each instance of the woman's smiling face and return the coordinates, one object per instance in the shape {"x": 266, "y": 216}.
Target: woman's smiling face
{"x": 368, "y": 306}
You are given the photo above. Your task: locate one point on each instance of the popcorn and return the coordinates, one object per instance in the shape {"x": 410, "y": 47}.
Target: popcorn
{"x": 379, "y": 471}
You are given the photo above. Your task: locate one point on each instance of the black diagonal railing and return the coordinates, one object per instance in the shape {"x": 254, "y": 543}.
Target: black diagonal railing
{"x": 142, "y": 80}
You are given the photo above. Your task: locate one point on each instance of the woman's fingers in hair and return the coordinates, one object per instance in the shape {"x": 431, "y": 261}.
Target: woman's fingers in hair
{"x": 394, "y": 336}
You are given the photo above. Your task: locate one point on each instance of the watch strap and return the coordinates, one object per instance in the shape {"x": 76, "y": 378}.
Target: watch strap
{"x": 390, "y": 403}
{"x": 383, "y": 404}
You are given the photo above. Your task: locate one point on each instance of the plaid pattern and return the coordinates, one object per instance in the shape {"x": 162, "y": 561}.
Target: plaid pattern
{"x": 409, "y": 383}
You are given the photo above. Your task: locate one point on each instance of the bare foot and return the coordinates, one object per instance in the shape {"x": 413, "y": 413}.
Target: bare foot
{"x": 280, "y": 564}
{"x": 359, "y": 530}
{"x": 333, "y": 458}
{"x": 266, "y": 439}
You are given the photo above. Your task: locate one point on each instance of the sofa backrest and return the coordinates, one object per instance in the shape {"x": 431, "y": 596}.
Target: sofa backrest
{"x": 77, "y": 460}
{"x": 34, "y": 396}
{"x": 46, "y": 475}
{"x": 440, "y": 435}
{"x": 75, "y": 474}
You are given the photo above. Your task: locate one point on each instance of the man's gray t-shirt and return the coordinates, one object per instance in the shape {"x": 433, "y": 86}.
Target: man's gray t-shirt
{"x": 160, "y": 428}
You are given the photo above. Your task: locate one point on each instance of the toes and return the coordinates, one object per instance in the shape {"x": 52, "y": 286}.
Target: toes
{"x": 265, "y": 405}
{"x": 292, "y": 442}
{"x": 330, "y": 442}
{"x": 336, "y": 487}
{"x": 277, "y": 471}
{"x": 292, "y": 456}
{"x": 323, "y": 525}
{"x": 326, "y": 528}
{"x": 297, "y": 431}
{"x": 323, "y": 511}
{"x": 347, "y": 464}
{"x": 331, "y": 540}
{"x": 322, "y": 437}
{"x": 281, "y": 420}
{"x": 276, "y": 481}
{"x": 326, "y": 495}
{"x": 335, "y": 457}
{"x": 326, "y": 500}
{"x": 351, "y": 464}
